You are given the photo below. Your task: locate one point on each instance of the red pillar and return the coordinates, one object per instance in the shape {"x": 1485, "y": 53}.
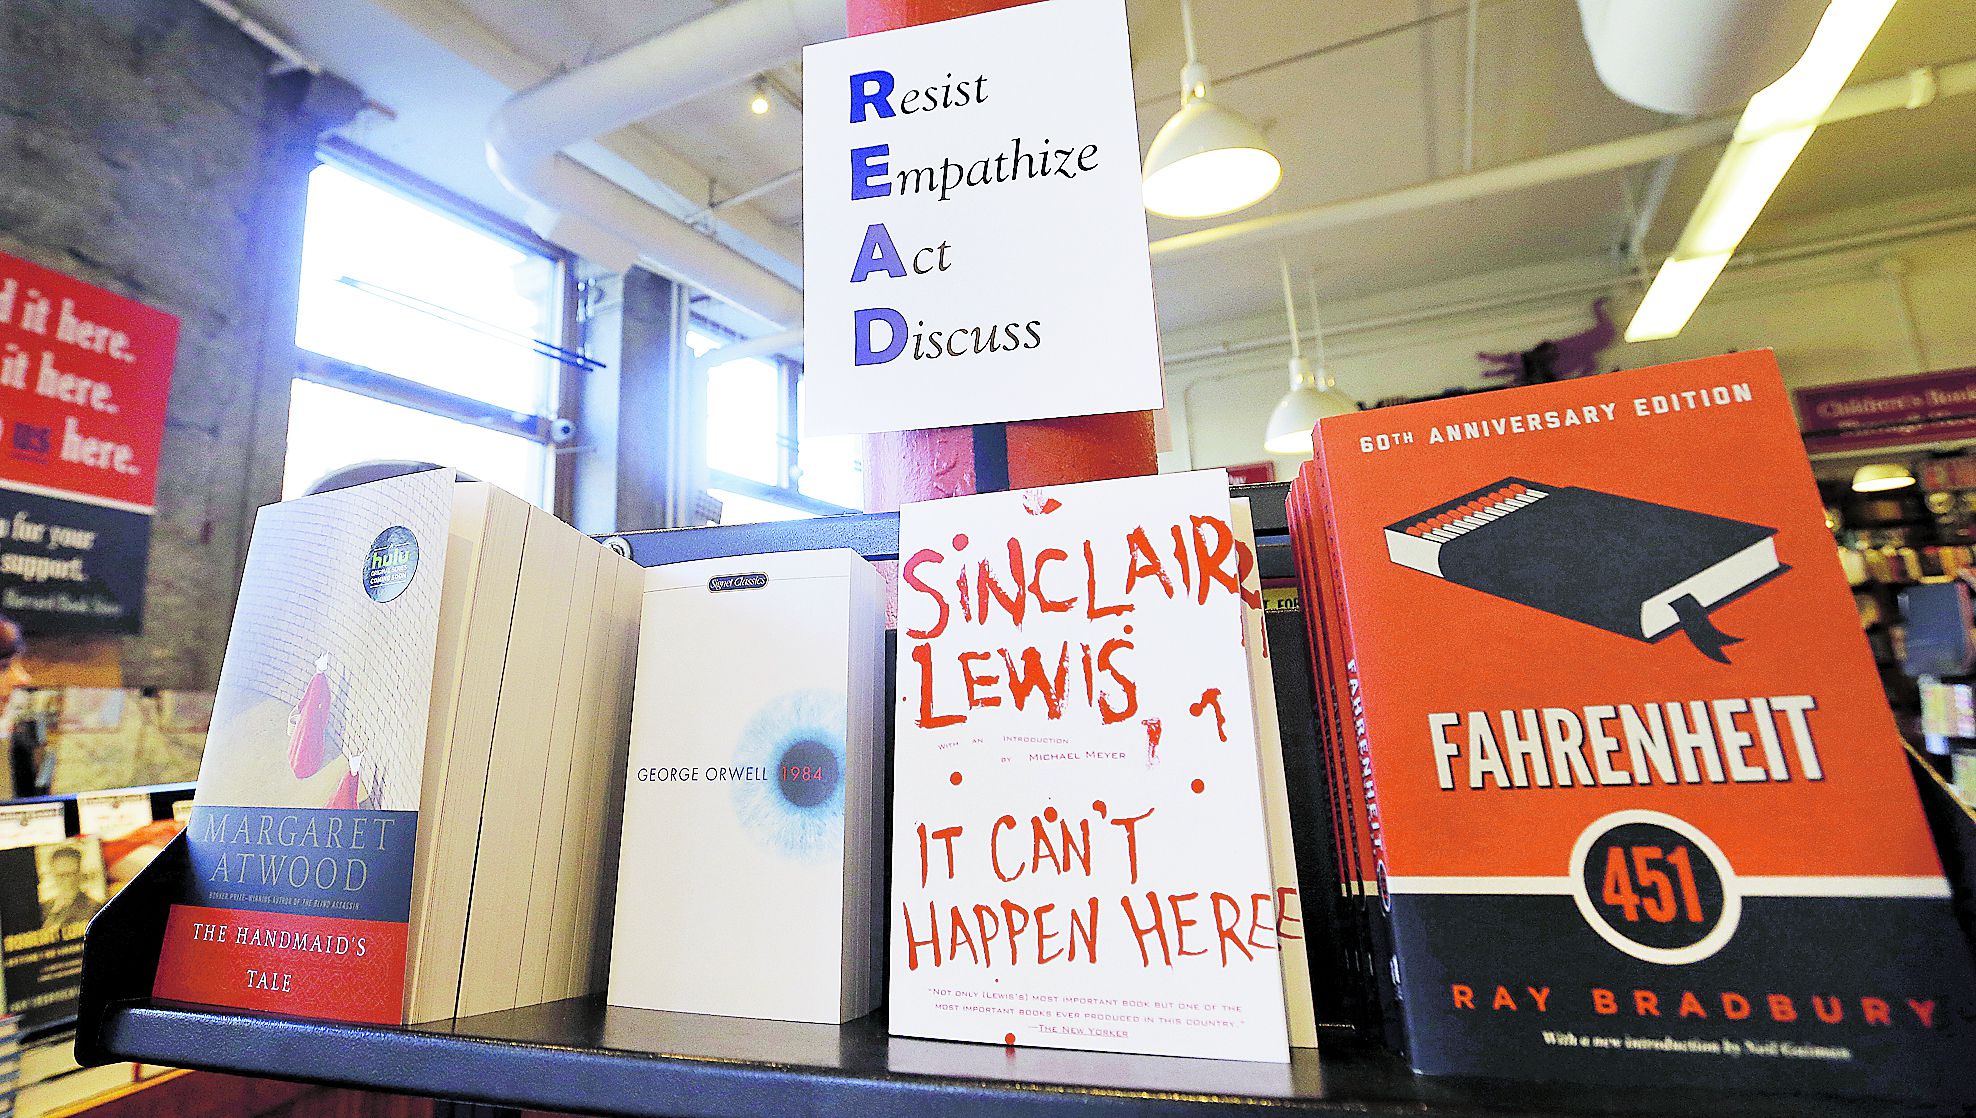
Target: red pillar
{"x": 921, "y": 465}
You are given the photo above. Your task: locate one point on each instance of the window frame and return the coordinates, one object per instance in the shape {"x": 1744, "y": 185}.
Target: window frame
{"x": 788, "y": 436}
{"x": 566, "y": 387}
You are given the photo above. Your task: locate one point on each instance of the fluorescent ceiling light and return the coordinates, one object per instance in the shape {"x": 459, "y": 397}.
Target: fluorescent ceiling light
{"x": 1771, "y": 133}
{"x": 1674, "y": 295}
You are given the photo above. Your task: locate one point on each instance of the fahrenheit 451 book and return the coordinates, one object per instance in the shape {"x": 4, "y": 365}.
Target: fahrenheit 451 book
{"x": 1602, "y": 851}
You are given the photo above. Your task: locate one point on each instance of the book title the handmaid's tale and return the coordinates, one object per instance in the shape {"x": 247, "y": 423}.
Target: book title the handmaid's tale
{"x": 303, "y": 833}
{"x": 1643, "y": 812}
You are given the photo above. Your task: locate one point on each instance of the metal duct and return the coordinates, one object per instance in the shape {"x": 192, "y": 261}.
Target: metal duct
{"x": 590, "y": 215}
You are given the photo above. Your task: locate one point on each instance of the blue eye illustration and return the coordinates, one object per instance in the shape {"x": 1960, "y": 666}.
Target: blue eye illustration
{"x": 798, "y": 738}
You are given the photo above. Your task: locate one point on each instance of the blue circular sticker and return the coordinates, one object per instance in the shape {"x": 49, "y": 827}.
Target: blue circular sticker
{"x": 393, "y": 560}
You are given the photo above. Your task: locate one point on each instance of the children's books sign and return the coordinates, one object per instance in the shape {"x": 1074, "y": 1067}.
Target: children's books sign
{"x": 974, "y": 240}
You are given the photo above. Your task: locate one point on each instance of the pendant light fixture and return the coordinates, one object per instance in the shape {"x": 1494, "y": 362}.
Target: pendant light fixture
{"x": 1879, "y": 477}
{"x": 1312, "y": 396}
{"x": 1206, "y": 161}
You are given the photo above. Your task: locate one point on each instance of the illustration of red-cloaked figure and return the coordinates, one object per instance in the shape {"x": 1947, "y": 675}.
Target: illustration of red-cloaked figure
{"x": 308, "y": 726}
{"x": 309, "y": 749}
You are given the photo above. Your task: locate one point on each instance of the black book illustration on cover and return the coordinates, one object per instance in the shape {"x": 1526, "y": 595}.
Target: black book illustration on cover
{"x": 1630, "y": 567}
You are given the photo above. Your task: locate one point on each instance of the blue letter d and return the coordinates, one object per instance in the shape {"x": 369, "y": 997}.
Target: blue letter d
{"x": 862, "y": 328}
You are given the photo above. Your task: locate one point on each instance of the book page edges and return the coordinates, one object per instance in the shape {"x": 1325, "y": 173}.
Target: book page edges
{"x": 465, "y": 537}
{"x": 1709, "y": 587}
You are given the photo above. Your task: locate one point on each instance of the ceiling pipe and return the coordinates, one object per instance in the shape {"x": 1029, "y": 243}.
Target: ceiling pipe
{"x": 1897, "y": 92}
{"x": 748, "y": 195}
{"x": 591, "y": 215}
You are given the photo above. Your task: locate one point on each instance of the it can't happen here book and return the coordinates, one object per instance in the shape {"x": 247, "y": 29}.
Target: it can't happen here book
{"x": 1641, "y": 810}
{"x": 1080, "y": 857}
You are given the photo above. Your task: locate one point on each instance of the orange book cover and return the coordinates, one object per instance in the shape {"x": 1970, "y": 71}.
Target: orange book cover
{"x": 1378, "y": 1009}
{"x": 1640, "y": 808}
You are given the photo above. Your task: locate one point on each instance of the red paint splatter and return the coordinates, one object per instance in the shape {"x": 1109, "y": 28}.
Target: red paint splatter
{"x": 1199, "y": 786}
{"x": 1050, "y": 814}
{"x": 1152, "y": 739}
{"x": 1038, "y": 504}
{"x": 953, "y": 778}
{"x": 1212, "y": 698}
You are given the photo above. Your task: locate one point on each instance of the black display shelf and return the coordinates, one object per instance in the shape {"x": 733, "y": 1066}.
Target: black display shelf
{"x": 584, "y": 1057}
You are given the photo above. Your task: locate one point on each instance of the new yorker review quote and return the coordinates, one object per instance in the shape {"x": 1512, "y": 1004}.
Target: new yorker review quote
{"x": 877, "y": 95}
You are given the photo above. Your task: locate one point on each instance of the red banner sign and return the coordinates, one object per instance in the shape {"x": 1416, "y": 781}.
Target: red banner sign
{"x": 84, "y": 377}
{"x": 1893, "y": 411}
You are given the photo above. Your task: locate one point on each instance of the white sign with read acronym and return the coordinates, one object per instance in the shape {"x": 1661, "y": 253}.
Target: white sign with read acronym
{"x": 974, "y": 240}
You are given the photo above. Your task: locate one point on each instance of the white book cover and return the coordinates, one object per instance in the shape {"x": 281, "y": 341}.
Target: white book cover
{"x": 744, "y": 789}
{"x": 112, "y": 815}
{"x": 31, "y": 825}
{"x": 1080, "y": 857}
{"x": 1288, "y": 902}
{"x": 307, "y": 817}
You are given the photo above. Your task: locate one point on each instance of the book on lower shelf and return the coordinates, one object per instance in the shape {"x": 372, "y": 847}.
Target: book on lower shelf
{"x": 403, "y": 809}
{"x": 1601, "y": 850}
{"x": 1081, "y": 848}
{"x": 48, "y": 894}
{"x": 755, "y": 791}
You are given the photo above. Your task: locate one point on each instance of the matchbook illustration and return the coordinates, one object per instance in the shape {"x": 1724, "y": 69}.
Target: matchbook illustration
{"x": 1631, "y": 567}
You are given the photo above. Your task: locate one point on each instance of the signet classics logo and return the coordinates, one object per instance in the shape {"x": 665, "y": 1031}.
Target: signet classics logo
{"x": 393, "y": 560}
{"x": 754, "y": 580}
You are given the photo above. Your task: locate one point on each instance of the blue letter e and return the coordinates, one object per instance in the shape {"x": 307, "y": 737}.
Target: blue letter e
{"x": 863, "y": 321}
{"x": 867, "y": 165}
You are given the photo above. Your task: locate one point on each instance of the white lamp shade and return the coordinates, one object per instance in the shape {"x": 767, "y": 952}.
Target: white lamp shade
{"x": 1289, "y": 430}
{"x": 1880, "y": 477}
{"x": 1207, "y": 161}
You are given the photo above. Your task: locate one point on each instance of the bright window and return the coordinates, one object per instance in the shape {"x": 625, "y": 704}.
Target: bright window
{"x": 757, "y": 467}
{"x": 431, "y": 339}
{"x": 332, "y": 425}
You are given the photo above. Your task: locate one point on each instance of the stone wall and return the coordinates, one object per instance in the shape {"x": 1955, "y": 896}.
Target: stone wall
{"x": 144, "y": 148}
